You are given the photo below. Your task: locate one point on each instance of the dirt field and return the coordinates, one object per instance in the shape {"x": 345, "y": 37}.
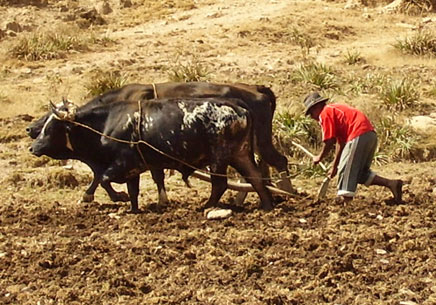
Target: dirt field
{"x": 55, "y": 249}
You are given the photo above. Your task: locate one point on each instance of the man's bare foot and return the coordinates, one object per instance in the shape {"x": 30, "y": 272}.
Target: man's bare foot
{"x": 397, "y": 191}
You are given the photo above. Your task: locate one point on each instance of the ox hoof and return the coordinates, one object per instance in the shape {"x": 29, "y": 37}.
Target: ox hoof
{"x": 267, "y": 207}
{"x": 88, "y": 198}
{"x": 285, "y": 185}
{"x": 206, "y": 208}
{"x": 120, "y": 196}
{"x": 134, "y": 211}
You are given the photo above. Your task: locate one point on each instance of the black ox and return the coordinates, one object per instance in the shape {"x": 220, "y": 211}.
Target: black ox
{"x": 259, "y": 100}
{"x": 120, "y": 140}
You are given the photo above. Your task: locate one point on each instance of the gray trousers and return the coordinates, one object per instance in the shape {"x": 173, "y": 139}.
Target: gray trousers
{"x": 354, "y": 165}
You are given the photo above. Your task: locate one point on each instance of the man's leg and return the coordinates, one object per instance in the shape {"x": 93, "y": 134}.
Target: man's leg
{"x": 396, "y": 186}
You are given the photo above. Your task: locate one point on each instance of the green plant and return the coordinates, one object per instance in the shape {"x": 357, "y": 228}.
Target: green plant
{"x": 422, "y": 43}
{"x": 191, "y": 71}
{"x": 303, "y": 40}
{"x": 369, "y": 83}
{"x": 43, "y": 46}
{"x": 395, "y": 139}
{"x": 104, "y": 81}
{"x": 317, "y": 74}
{"x": 399, "y": 94}
{"x": 380, "y": 158}
{"x": 295, "y": 126}
{"x": 416, "y": 7}
{"x": 353, "y": 57}
{"x": 48, "y": 45}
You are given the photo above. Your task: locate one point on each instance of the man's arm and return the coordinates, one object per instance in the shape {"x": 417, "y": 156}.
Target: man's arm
{"x": 326, "y": 147}
{"x": 339, "y": 148}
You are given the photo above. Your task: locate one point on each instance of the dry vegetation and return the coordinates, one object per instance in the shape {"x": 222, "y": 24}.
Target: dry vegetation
{"x": 381, "y": 59}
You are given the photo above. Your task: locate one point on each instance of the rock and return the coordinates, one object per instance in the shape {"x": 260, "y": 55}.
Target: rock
{"x": 92, "y": 17}
{"x": 352, "y": 4}
{"x": 425, "y": 123}
{"x": 219, "y": 214}
{"x": 104, "y": 8}
{"x": 14, "y": 27}
{"x": 125, "y": 3}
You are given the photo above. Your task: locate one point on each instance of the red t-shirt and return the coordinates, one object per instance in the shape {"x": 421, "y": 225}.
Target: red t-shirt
{"x": 343, "y": 123}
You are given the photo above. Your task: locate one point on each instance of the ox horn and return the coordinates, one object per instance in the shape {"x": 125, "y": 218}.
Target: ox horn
{"x": 62, "y": 115}
{"x": 70, "y": 112}
{"x": 55, "y": 110}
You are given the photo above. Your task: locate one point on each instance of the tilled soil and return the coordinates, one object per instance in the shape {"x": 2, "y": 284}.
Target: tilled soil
{"x": 55, "y": 250}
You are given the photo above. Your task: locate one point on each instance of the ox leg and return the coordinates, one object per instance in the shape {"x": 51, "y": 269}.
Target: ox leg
{"x": 114, "y": 195}
{"x": 248, "y": 169}
{"x": 274, "y": 158}
{"x": 133, "y": 189}
{"x": 264, "y": 169}
{"x": 158, "y": 176}
{"x": 219, "y": 185}
{"x": 88, "y": 196}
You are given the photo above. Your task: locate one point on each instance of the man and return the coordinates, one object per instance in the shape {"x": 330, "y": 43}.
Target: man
{"x": 356, "y": 144}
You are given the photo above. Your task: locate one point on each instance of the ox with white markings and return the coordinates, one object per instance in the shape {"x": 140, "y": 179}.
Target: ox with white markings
{"x": 259, "y": 100}
{"x": 121, "y": 140}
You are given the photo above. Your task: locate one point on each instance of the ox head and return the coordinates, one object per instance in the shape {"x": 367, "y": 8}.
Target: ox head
{"x": 53, "y": 139}
{"x": 34, "y": 129}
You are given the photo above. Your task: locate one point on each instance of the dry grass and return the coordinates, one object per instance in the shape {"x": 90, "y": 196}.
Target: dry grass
{"x": 45, "y": 46}
{"x": 417, "y": 7}
{"x": 317, "y": 74}
{"x": 102, "y": 81}
{"x": 421, "y": 43}
{"x": 191, "y": 71}
{"x": 399, "y": 94}
{"x": 54, "y": 44}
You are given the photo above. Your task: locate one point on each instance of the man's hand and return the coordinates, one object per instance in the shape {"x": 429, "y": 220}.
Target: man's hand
{"x": 316, "y": 159}
{"x": 333, "y": 171}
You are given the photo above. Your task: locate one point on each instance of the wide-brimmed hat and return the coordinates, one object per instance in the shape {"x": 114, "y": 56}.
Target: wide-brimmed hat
{"x": 312, "y": 99}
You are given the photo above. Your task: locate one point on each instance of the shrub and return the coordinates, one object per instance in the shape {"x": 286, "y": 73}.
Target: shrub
{"x": 288, "y": 128}
{"x": 369, "y": 83}
{"x": 192, "y": 71}
{"x": 398, "y": 94}
{"x": 305, "y": 41}
{"x": 55, "y": 44}
{"x": 416, "y": 7}
{"x": 353, "y": 57}
{"x": 104, "y": 81}
{"x": 317, "y": 74}
{"x": 395, "y": 139}
{"x": 295, "y": 126}
{"x": 422, "y": 43}
{"x": 44, "y": 46}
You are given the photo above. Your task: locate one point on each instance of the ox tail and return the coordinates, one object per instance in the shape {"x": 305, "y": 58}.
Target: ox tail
{"x": 271, "y": 96}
